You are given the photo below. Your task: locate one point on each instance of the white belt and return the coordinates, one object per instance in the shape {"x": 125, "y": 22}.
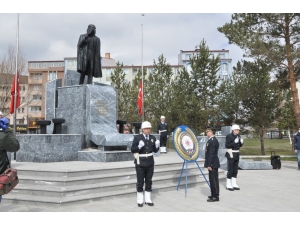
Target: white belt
{"x": 162, "y": 131}
{"x": 137, "y": 156}
{"x": 230, "y": 151}
{"x": 235, "y": 150}
{"x": 146, "y": 155}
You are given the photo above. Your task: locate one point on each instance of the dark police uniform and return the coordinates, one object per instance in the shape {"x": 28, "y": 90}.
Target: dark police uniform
{"x": 212, "y": 160}
{"x": 232, "y": 163}
{"x": 163, "y": 128}
{"x": 145, "y": 169}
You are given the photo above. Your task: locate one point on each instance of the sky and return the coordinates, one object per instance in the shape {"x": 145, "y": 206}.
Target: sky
{"x": 50, "y": 31}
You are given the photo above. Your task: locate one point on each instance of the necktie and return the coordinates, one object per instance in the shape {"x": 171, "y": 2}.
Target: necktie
{"x": 147, "y": 137}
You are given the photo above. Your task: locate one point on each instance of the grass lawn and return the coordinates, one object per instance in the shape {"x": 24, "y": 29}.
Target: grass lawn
{"x": 252, "y": 146}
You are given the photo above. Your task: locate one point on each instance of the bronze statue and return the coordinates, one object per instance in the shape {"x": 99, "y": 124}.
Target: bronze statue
{"x": 88, "y": 55}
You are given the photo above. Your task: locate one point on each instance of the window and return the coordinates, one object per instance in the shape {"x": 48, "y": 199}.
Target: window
{"x": 188, "y": 56}
{"x": 108, "y": 72}
{"x": 149, "y": 70}
{"x": 224, "y": 69}
{"x": 23, "y": 88}
{"x": 52, "y": 76}
{"x": 37, "y": 76}
{"x": 23, "y": 110}
{"x": 35, "y": 108}
{"x": 125, "y": 71}
{"x": 36, "y": 97}
{"x": 19, "y": 110}
{"x": 37, "y": 87}
{"x": 23, "y": 99}
{"x": 222, "y": 56}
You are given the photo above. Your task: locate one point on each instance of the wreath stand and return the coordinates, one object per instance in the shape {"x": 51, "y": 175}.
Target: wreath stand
{"x": 185, "y": 162}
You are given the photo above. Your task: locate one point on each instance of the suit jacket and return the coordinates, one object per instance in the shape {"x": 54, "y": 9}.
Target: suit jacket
{"x": 161, "y": 126}
{"x": 89, "y": 50}
{"x": 211, "y": 153}
{"x": 149, "y": 147}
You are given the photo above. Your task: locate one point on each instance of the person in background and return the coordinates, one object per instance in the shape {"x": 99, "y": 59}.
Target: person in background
{"x": 162, "y": 129}
{"x": 212, "y": 163}
{"x": 1, "y": 115}
{"x": 297, "y": 146}
{"x": 143, "y": 146}
{"x": 8, "y": 143}
{"x": 233, "y": 144}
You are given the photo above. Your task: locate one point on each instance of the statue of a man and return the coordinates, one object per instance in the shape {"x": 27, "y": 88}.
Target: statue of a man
{"x": 88, "y": 55}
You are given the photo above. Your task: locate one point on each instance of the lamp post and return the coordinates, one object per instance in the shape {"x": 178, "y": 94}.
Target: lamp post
{"x": 142, "y": 76}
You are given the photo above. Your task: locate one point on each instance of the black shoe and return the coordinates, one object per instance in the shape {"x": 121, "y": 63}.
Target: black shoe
{"x": 230, "y": 189}
{"x": 149, "y": 203}
{"x": 140, "y": 205}
{"x": 236, "y": 188}
{"x": 213, "y": 199}
{"x": 210, "y": 197}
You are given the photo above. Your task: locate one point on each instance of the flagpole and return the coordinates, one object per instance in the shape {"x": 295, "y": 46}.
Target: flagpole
{"x": 142, "y": 76}
{"x": 16, "y": 78}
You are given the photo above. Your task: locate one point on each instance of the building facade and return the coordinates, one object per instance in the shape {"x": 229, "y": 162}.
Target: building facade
{"x": 225, "y": 70}
{"x": 40, "y": 72}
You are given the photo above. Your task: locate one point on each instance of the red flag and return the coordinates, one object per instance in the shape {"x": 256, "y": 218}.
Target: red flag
{"x": 12, "y": 92}
{"x": 140, "y": 99}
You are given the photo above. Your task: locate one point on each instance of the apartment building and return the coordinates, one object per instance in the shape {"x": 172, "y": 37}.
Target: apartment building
{"x": 5, "y": 101}
{"x": 40, "y": 72}
{"x": 225, "y": 61}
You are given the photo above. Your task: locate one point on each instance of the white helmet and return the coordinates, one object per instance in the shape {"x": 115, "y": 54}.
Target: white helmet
{"x": 146, "y": 124}
{"x": 1, "y": 113}
{"x": 162, "y": 117}
{"x": 235, "y": 127}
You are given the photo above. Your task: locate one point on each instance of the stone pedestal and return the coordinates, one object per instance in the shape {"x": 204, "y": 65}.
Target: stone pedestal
{"x": 48, "y": 147}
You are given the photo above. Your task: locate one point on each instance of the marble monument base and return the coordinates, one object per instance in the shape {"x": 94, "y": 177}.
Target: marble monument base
{"x": 105, "y": 156}
{"x": 44, "y": 148}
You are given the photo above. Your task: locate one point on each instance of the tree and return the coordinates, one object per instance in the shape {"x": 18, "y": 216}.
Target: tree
{"x": 230, "y": 99}
{"x": 261, "y": 98}
{"x": 204, "y": 79}
{"x": 122, "y": 86}
{"x": 157, "y": 91}
{"x": 273, "y": 36}
{"x": 185, "y": 105}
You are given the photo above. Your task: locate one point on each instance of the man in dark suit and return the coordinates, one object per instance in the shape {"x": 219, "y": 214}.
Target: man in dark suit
{"x": 212, "y": 163}
{"x": 162, "y": 129}
{"x": 88, "y": 55}
{"x": 143, "y": 146}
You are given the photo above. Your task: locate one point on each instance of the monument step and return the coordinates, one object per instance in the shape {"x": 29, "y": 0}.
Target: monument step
{"x": 83, "y": 188}
{"x": 74, "y": 181}
{"x": 110, "y": 170}
{"x": 101, "y": 177}
{"x": 18, "y": 198}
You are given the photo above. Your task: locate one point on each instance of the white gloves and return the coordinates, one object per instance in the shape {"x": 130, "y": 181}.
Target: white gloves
{"x": 141, "y": 144}
{"x": 242, "y": 141}
{"x": 167, "y": 136}
{"x": 157, "y": 143}
{"x": 236, "y": 140}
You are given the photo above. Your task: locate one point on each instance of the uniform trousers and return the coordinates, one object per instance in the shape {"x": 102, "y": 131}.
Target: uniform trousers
{"x": 163, "y": 140}
{"x": 144, "y": 175}
{"x": 213, "y": 177}
{"x": 233, "y": 165}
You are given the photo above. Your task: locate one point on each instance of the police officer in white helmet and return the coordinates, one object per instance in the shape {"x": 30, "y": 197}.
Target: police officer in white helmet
{"x": 233, "y": 144}
{"x": 162, "y": 129}
{"x": 143, "y": 146}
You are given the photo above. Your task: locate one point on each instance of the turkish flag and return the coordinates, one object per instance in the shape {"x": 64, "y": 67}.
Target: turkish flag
{"x": 140, "y": 99}
{"x": 12, "y": 92}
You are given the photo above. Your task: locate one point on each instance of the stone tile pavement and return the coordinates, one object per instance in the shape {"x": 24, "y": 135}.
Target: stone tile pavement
{"x": 261, "y": 191}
